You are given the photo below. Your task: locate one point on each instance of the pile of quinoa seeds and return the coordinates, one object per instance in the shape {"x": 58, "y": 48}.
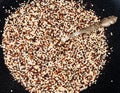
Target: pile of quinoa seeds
{"x": 69, "y": 68}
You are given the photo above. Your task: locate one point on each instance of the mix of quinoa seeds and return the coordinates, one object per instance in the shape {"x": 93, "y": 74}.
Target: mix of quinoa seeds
{"x": 40, "y": 68}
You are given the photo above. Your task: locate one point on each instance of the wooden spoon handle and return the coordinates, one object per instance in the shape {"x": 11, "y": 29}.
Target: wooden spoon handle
{"x": 105, "y": 22}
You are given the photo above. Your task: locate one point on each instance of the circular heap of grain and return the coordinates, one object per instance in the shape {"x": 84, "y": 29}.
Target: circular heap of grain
{"x": 40, "y": 68}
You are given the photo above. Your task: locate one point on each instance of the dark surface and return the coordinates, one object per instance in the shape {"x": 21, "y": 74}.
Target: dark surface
{"x": 112, "y": 68}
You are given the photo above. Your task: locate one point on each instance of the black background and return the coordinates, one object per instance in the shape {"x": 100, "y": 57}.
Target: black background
{"x": 108, "y": 82}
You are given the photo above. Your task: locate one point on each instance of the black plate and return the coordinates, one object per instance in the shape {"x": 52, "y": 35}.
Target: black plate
{"x": 108, "y": 82}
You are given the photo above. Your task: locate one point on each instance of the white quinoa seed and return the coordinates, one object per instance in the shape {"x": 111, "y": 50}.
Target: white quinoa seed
{"x": 29, "y": 34}
{"x": 11, "y": 91}
{"x": 111, "y": 33}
